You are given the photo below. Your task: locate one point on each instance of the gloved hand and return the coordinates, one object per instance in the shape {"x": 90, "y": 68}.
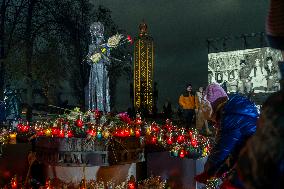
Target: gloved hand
{"x": 202, "y": 177}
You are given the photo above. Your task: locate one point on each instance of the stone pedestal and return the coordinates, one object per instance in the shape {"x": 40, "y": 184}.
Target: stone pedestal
{"x": 82, "y": 152}
{"x": 115, "y": 173}
{"x": 72, "y": 159}
{"x": 179, "y": 172}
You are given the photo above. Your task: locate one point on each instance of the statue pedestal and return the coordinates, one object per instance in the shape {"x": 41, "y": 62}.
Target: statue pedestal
{"x": 66, "y": 158}
{"x": 72, "y": 174}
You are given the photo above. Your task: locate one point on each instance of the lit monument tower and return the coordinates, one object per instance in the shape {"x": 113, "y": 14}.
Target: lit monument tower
{"x": 143, "y": 69}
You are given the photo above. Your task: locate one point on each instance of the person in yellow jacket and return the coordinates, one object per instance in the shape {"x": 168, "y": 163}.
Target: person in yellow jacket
{"x": 189, "y": 105}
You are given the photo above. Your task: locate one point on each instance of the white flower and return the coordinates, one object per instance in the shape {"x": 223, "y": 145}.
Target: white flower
{"x": 114, "y": 40}
{"x": 96, "y": 57}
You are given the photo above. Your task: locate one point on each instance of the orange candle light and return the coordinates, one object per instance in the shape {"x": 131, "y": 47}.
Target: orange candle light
{"x": 131, "y": 183}
{"x": 13, "y": 137}
{"x": 14, "y": 182}
{"x": 48, "y": 184}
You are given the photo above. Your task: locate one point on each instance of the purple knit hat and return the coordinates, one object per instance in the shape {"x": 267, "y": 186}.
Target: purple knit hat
{"x": 215, "y": 94}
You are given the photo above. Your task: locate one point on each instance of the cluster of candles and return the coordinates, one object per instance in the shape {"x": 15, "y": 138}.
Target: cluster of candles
{"x": 180, "y": 142}
{"x": 92, "y": 184}
{"x": 64, "y": 127}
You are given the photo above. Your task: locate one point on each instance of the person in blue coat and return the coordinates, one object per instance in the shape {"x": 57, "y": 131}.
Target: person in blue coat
{"x": 261, "y": 161}
{"x": 235, "y": 119}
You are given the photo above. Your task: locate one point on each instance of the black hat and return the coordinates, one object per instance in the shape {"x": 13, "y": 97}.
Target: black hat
{"x": 188, "y": 84}
{"x": 243, "y": 62}
{"x": 269, "y": 58}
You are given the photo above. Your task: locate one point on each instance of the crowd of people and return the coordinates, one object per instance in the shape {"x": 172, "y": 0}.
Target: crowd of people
{"x": 245, "y": 71}
{"x": 191, "y": 106}
{"x": 249, "y": 147}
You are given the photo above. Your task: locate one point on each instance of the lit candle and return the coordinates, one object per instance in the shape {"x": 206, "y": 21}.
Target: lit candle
{"x": 13, "y": 137}
{"x": 14, "y": 183}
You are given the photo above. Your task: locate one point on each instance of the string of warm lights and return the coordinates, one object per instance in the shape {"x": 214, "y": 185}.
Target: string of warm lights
{"x": 151, "y": 182}
{"x": 94, "y": 125}
{"x": 179, "y": 141}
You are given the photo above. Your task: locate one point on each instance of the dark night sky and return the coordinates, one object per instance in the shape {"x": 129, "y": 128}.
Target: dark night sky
{"x": 180, "y": 29}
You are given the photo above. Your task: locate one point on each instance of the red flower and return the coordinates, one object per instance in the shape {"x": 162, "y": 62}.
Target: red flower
{"x": 129, "y": 39}
{"x": 124, "y": 117}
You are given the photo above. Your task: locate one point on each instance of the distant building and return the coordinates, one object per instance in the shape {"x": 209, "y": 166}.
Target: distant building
{"x": 143, "y": 70}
